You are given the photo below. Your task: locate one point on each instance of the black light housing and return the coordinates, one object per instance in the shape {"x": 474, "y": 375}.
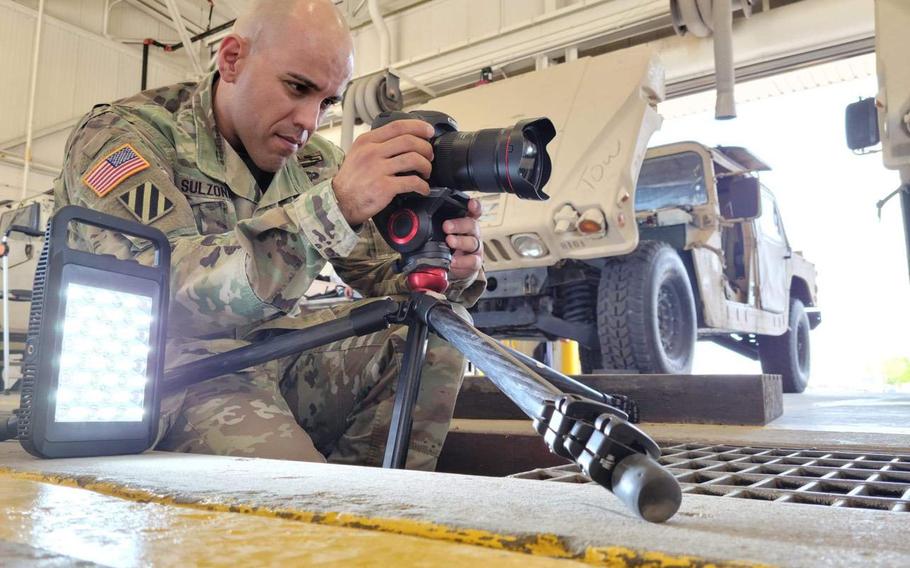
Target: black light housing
{"x": 95, "y": 345}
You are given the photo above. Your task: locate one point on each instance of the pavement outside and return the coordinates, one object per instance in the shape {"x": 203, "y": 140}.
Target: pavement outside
{"x": 119, "y": 510}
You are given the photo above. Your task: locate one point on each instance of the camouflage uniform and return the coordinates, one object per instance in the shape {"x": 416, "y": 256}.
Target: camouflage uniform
{"x": 242, "y": 258}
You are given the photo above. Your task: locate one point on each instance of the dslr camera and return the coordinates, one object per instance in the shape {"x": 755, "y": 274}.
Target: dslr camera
{"x": 493, "y": 160}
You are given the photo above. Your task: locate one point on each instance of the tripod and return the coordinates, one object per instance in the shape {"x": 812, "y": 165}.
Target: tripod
{"x": 577, "y": 422}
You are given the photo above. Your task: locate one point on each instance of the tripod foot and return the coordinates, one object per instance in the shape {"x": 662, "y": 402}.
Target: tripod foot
{"x": 646, "y": 488}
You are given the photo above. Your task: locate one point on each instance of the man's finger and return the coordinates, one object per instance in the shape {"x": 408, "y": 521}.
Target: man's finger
{"x": 466, "y": 264}
{"x": 403, "y": 127}
{"x": 405, "y": 144}
{"x": 462, "y": 226}
{"x": 474, "y": 208}
{"x": 467, "y": 244}
{"x": 408, "y": 184}
{"x": 410, "y": 162}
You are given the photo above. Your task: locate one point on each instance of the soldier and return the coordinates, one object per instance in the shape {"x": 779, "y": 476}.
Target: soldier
{"x": 254, "y": 204}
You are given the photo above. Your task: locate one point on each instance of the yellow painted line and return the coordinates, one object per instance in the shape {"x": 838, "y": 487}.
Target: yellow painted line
{"x": 254, "y": 524}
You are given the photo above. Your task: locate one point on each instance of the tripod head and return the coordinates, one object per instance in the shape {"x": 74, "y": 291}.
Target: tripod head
{"x": 412, "y": 225}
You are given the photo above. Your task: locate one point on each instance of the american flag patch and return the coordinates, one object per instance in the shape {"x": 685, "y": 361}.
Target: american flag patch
{"x": 113, "y": 169}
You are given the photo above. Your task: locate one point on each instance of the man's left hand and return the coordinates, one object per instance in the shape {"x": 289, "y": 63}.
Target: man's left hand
{"x": 463, "y": 237}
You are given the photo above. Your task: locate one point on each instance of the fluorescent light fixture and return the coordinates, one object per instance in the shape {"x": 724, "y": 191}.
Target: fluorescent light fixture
{"x": 95, "y": 344}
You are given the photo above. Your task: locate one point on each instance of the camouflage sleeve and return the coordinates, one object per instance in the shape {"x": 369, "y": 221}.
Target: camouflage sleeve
{"x": 218, "y": 281}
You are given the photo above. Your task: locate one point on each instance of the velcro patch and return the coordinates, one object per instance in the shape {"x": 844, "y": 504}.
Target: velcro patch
{"x": 111, "y": 170}
{"x": 147, "y": 203}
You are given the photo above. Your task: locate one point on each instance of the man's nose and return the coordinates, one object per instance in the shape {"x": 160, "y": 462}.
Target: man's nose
{"x": 306, "y": 115}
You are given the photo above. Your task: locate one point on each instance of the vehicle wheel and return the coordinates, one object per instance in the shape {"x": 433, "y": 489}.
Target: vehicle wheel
{"x": 590, "y": 360}
{"x": 646, "y": 312}
{"x": 787, "y": 355}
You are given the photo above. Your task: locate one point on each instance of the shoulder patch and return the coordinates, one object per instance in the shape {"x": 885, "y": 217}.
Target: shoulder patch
{"x": 146, "y": 203}
{"x": 111, "y": 170}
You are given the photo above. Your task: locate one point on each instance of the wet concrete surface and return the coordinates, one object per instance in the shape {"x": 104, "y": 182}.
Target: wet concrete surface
{"x": 583, "y": 521}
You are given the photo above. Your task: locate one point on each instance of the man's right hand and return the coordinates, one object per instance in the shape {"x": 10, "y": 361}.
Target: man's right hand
{"x": 368, "y": 178}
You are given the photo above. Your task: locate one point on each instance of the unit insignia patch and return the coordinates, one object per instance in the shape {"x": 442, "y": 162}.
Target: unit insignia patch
{"x": 147, "y": 203}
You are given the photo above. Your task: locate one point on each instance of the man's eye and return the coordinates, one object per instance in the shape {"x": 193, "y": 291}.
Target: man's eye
{"x": 327, "y": 103}
{"x": 297, "y": 87}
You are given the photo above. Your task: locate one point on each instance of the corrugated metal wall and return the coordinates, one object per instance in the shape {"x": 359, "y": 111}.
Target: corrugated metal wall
{"x": 76, "y": 70}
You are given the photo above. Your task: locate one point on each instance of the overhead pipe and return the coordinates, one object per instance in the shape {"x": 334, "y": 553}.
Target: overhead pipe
{"x": 29, "y": 125}
{"x": 703, "y": 18}
{"x": 355, "y": 99}
{"x": 184, "y": 35}
{"x": 382, "y": 28}
{"x": 108, "y": 6}
{"x": 15, "y": 160}
{"x": 160, "y": 16}
{"x": 725, "y": 75}
{"x": 348, "y": 117}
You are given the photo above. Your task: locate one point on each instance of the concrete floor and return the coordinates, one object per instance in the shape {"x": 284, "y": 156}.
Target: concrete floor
{"x": 556, "y": 520}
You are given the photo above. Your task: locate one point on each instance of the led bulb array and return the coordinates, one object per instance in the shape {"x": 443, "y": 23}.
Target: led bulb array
{"x": 104, "y": 356}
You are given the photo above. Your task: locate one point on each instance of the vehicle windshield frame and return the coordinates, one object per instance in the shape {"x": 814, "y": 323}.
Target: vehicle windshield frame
{"x": 663, "y": 182}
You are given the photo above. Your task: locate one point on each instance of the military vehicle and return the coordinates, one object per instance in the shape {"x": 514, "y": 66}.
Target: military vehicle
{"x": 635, "y": 267}
{"x": 713, "y": 262}
{"x": 23, "y": 252}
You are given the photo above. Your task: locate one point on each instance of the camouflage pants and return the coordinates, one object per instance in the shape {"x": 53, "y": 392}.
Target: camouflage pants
{"x": 334, "y": 402}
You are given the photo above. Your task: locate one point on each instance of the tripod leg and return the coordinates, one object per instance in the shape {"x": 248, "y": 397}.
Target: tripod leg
{"x": 415, "y": 350}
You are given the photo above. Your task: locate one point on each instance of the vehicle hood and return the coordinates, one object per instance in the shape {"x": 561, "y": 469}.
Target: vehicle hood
{"x": 603, "y": 111}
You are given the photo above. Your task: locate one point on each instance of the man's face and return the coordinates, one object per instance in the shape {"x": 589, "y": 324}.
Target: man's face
{"x": 284, "y": 86}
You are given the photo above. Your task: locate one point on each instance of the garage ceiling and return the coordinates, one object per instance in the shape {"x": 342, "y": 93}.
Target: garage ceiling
{"x": 439, "y": 44}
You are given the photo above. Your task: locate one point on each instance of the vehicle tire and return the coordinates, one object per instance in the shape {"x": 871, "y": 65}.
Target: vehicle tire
{"x": 646, "y": 311}
{"x": 787, "y": 355}
{"x": 590, "y": 360}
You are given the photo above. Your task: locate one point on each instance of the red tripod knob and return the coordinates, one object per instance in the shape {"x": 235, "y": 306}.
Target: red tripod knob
{"x": 427, "y": 279}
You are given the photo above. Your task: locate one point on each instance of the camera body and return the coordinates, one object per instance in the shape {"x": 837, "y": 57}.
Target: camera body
{"x": 494, "y": 160}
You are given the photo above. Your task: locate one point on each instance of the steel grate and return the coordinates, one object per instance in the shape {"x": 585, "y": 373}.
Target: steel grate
{"x": 863, "y": 480}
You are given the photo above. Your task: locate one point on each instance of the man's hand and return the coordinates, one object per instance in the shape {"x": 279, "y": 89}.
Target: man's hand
{"x": 463, "y": 237}
{"x": 367, "y": 180}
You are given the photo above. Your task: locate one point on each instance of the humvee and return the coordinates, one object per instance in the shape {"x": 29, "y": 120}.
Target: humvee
{"x": 713, "y": 262}
{"x": 635, "y": 262}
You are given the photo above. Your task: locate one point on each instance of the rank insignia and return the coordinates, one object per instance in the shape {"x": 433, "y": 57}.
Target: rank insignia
{"x": 113, "y": 169}
{"x": 310, "y": 160}
{"x": 146, "y": 203}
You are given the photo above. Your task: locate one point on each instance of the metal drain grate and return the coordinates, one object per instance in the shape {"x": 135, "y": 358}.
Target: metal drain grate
{"x": 815, "y": 477}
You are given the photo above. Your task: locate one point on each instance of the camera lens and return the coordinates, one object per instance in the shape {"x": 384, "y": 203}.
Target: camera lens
{"x": 511, "y": 160}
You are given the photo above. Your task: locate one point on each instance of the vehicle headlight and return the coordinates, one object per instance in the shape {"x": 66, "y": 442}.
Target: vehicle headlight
{"x": 529, "y": 245}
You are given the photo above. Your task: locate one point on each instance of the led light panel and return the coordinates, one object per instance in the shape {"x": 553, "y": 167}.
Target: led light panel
{"x": 104, "y": 356}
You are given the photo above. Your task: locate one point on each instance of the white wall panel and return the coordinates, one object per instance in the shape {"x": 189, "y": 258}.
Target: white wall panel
{"x": 16, "y": 37}
{"x": 58, "y": 76}
{"x": 441, "y": 25}
{"x": 483, "y": 18}
{"x": 514, "y": 12}
{"x": 77, "y": 69}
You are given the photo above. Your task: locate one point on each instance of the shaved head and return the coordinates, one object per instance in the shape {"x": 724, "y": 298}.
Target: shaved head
{"x": 284, "y": 64}
{"x": 263, "y": 19}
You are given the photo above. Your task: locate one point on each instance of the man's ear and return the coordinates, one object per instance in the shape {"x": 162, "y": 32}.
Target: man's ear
{"x": 231, "y": 52}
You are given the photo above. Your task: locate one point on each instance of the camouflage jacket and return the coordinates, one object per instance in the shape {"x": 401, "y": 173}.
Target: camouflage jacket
{"x": 240, "y": 254}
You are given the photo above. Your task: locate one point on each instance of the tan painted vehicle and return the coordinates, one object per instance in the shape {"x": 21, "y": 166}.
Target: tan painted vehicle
{"x": 713, "y": 262}
{"x": 635, "y": 268}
